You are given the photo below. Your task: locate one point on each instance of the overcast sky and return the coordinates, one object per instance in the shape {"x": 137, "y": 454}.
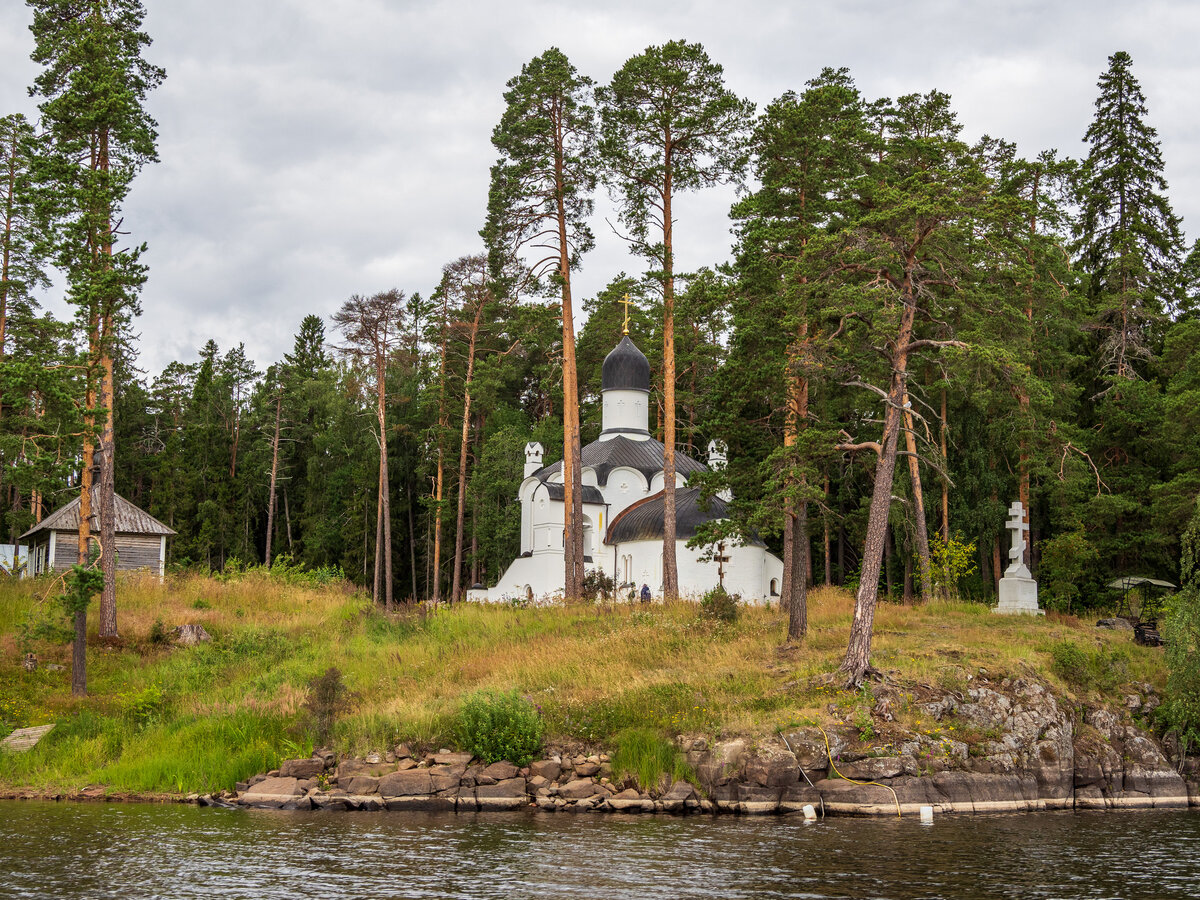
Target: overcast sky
{"x": 311, "y": 150}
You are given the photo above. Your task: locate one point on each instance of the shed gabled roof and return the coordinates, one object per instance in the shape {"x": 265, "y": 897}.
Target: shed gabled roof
{"x": 129, "y": 519}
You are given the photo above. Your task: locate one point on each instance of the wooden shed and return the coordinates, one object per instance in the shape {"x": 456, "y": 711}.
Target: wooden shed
{"x": 141, "y": 539}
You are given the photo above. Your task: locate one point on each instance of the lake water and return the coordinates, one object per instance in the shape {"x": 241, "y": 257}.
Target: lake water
{"x": 140, "y": 851}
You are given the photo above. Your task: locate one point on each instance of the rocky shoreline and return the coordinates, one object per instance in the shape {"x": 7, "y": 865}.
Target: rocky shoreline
{"x": 1030, "y": 751}
{"x": 1008, "y": 745}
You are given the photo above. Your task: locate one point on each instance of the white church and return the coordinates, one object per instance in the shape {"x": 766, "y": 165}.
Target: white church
{"x": 623, "y": 509}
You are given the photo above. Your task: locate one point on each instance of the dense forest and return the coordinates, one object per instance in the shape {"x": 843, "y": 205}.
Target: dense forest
{"x": 914, "y": 331}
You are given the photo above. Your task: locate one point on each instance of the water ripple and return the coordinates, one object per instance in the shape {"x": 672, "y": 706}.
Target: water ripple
{"x": 133, "y": 852}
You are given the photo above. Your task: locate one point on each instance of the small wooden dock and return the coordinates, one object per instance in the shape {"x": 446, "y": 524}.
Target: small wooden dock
{"x": 25, "y": 738}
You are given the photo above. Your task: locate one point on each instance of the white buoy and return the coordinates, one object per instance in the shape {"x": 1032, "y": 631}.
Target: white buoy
{"x": 809, "y": 812}
{"x": 926, "y": 815}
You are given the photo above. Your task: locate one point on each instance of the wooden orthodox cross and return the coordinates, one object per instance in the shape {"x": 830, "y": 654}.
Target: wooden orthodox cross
{"x": 721, "y": 560}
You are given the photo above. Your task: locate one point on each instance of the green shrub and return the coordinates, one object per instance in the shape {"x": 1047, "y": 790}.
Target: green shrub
{"x": 598, "y": 586}
{"x": 159, "y": 636}
{"x": 145, "y": 706}
{"x": 647, "y": 756}
{"x": 952, "y": 561}
{"x": 720, "y": 605}
{"x": 1069, "y": 663}
{"x": 1066, "y": 561}
{"x": 497, "y": 727}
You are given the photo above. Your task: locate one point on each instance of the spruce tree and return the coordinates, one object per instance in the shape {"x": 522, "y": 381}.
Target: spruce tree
{"x": 1128, "y": 239}
{"x": 1130, "y": 250}
{"x": 22, "y": 266}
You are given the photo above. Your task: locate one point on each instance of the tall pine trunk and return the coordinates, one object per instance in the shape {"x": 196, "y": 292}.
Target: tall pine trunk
{"x": 670, "y": 563}
{"x": 857, "y": 662}
{"x": 463, "y": 453}
{"x": 79, "y": 647}
{"x": 925, "y": 570}
{"x": 944, "y": 439}
{"x": 377, "y": 583}
{"x": 385, "y": 507}
{"x": 573, "y": 549}
{"x": 412, "y": 541}
{"x": 794, "y": 588}
{"x": 440, "y": 477}
{"x": 274, "y": 475}
{"x": 107, "y": 443}
{"x": 106, "y": 493}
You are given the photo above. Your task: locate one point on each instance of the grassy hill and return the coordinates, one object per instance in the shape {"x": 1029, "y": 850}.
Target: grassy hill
{"x": 164, "y": 718}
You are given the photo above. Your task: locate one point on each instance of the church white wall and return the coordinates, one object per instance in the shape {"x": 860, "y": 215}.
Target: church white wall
{"x": 542, "y": 571}
{"x": 748, "y": 572}
{"x": 625, "y": 487}
{"x": 525, "y": 497}
{"x": 546, "y": 522}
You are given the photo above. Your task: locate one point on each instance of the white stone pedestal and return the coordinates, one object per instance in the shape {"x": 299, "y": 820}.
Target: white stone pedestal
{"x": 1018, "y": 596}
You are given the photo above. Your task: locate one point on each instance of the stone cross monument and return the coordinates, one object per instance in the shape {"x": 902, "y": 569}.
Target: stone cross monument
{"x": 1018, "y": 590}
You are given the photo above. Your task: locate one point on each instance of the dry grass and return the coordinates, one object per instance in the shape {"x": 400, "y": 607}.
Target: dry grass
{"x": 592, "y": 670}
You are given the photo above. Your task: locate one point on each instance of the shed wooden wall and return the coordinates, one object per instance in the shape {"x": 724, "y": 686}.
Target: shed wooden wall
{"x": 134, "y": 551}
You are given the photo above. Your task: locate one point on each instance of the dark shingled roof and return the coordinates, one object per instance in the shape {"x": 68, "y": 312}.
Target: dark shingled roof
{"x": 625, "y": 369}
{"x": 643, "y": 521}
{"x": 590, "y": 494}
{"x": 129, "y": 519}
{"x": 646, "y": 456}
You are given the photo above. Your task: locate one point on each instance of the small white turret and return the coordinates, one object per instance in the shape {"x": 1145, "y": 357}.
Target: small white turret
{"x": 533, "y": 457}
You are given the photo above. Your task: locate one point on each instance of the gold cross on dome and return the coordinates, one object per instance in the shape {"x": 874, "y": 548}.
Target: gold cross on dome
{"x": 626, "y": 302}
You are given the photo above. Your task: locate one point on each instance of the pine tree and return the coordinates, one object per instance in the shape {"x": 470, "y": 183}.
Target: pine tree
{"x": 372, "y": 327}
{"x": 909, "y": 264}
{"x": 668, "y": 124}
{"x": 808, "y": 152}
{"x": 538, "y": 205}
{"x": 93, "y": 84}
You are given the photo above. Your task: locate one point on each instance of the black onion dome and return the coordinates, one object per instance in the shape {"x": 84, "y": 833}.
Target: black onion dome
{"x": 625, "y": 369}
{"x": 643, "y": 521}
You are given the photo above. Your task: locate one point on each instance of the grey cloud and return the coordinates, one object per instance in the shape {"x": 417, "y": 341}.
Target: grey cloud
{"x": 311, "y": 150}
